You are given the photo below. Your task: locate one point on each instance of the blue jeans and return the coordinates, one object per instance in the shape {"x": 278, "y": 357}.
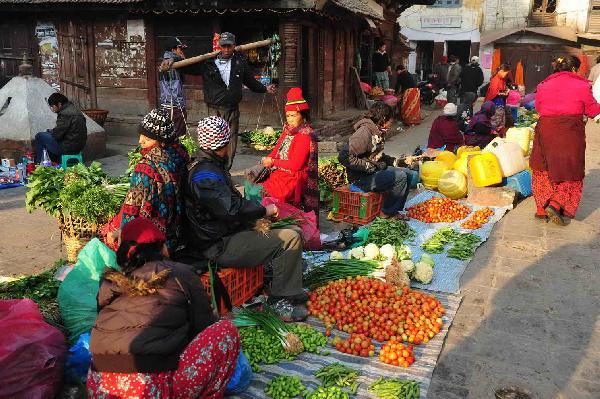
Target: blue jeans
{"x": 45, "y": 140}
{"x": 393, "y": 181}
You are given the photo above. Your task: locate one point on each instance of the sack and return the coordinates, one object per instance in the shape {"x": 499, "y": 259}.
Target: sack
{"x": 310, "y": 231}
{"x": 31, "y": 352}
{"x": 257, "y": 174}
{"x": 242, "y": 376}
{"x": 78, "y": 360}
{"x": 77, "y": 294}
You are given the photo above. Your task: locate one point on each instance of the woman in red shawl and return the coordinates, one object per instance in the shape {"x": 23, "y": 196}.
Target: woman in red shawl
{"x": 558, "y": 156}
{"x": 294, "y": 160}
{"x": 497, "y": 93}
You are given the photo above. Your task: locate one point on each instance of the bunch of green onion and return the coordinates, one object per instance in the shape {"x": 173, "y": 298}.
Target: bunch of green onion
{"x": 338, "y": 269}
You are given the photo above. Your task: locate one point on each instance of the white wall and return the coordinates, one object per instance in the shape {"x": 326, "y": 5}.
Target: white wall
{"x": 505, "y": 14}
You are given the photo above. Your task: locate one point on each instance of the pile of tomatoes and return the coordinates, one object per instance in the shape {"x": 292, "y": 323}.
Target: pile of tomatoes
{"x": 478, "y": 219}
{"x": 397, "y": 354}
{"x": 364, "y": 305}
{"x": 356, "y": 344}
{"x": 439, "y": 209}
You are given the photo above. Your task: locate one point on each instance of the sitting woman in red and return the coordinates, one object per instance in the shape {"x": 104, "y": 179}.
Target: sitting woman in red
{"x": 294, "y": 160}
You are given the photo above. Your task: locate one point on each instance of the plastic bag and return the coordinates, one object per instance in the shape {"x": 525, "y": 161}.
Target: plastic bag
{"x": 252, "y": 192}
{"x": 242, "y": 376}
{"x": 310, "y": 231}
{"x": 31, "y": 352}
{"x": 78, "y": 360}
{"x": 77, "y": 294}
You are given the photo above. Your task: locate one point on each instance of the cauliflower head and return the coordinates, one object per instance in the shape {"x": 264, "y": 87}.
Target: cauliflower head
{"x": 423, "y": 273}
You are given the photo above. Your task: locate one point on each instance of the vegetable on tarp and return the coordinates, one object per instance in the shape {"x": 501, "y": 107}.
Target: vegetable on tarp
{"x": 464, "y": 246}
{"x": 395, "y": 389}
{"x": 269, "y": 322}
{"x": 337, "y": 374}
{"x": 389, "y": 231}
{"x": 339, "y": 269}
{"x": 437, "y": 242}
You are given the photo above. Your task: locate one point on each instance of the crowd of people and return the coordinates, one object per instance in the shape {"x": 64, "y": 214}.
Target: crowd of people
{"x": 156, "y": 332}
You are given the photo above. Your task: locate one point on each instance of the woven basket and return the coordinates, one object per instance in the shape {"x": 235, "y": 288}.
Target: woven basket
{"x": 77, "y": 227}
{"x": 73, "y": 245}
{"x": 98, "y": 115}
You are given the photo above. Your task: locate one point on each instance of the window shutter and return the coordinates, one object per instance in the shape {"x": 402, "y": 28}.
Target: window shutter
{"x": 595, "y": 17}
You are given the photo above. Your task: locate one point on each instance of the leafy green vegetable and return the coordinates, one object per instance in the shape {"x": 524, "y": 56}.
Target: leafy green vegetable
{"x": 44, "y": 186}
{"x": 190, "y": 144}
{"x": 261, "y": 139}
{"x": 134, "y": 156}
{"x": 390, "y": 231}
{"x": 332, "y": 175}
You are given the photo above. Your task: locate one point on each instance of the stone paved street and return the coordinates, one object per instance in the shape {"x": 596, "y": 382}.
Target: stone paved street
{"x": 530, "y": 311}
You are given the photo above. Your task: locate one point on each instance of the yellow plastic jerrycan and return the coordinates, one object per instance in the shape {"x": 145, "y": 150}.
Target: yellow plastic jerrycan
{"x": 453, "y": 184}
{"x": 430, "y": 173}
{"x": 522, "y": 136}
{"x": 467, "y": 149}
{"x": 461, "y": 162}
{"x": 485, "y": 170}
{"x": 447, "y": 157}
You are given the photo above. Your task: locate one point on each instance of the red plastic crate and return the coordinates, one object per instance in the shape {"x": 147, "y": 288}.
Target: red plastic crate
{"x": 241, "y": 284}
{"x": 355, "y": 207}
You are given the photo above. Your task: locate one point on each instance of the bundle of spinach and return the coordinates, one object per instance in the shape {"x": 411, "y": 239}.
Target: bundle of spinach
{"x": 93, "y": 203}
{"x": 134, "y": 156}
{"x": 190, "y": 144}
{"x": 45, "y": 184}
{"x": 261, "y": 139}
{"x": 390, "y": 231}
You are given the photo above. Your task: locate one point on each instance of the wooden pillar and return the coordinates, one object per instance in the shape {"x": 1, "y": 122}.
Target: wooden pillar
{"x": 438, "y": 52}
{"x": 289, "y": 66}
{"x": 151, "y": 72}
{"x": 474, "y": 49}
{"x": 91, "y": 54}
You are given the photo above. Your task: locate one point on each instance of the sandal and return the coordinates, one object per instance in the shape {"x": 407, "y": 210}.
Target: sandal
{"x": 555, "y": 216}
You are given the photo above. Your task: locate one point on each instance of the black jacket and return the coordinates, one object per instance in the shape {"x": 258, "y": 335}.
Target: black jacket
{"x": 70, "y": 131}
{"x": 217, "y": 93}
{"x": 471, "y": 78}
{"x": 142, "y": 328}
{"x": 214, "y": 208}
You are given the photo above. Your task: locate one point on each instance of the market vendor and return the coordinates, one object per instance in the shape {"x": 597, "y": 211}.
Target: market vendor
{"x": 369, "y": 168}
{"x": 294, "y": 160}
{"x": 220, "y": 224}
{"x": 68, "y": 136}
{"x": 480, "y": 131}
{"x": 155, "y": 191}
{"x": 445, "y": 130}
{"x": 155, "y": 324}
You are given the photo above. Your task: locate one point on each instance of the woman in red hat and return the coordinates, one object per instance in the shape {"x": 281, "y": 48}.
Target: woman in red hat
{"x": 155, "y": 335}
{"x": 294, "y": 160}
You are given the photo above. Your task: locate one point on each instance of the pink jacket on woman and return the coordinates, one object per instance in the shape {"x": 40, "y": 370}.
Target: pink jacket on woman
{"x": 566, "y": 93}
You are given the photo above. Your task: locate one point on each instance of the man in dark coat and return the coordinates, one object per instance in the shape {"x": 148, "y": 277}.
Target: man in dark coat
{"x": 453, "y": 84}
{"x": 471, "y": 79}
{"x": 440, "y": 70}
{"x": 70, "y": 134}
{"x": 220, "y": 224}
{"x": 222, "y": 79}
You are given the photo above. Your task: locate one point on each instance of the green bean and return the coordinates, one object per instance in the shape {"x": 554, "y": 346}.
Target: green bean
{"x": 337, "y": 374}
{"x": 328, "y": 393}
{"x": 464, "y": 246}
{"x": 395, "y": 389}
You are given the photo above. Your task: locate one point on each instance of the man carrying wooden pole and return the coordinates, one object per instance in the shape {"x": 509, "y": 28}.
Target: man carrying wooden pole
{"x": 223, "y": 74}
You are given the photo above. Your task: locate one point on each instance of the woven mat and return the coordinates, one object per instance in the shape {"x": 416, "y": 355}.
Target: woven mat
{"x": 306, "y": 364}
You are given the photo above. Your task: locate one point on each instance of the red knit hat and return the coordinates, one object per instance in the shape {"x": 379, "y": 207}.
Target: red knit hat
{"x": 142, "y": 231}
{"x": 295, "y": 100}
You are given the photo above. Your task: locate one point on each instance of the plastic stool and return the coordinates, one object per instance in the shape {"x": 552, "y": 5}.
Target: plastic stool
{"x": 66, "y": 160}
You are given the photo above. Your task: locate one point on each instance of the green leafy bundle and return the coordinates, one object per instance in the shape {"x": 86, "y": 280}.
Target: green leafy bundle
{"x": 261, "y": 139}
{"x": 45, "y": 184}
{"x": 332, "y": 175}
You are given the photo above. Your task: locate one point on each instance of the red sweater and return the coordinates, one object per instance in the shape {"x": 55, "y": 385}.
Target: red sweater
{"x": 445, "y": 131}
{"x": 566, "y": 93}
{"x": 287, "y": 182}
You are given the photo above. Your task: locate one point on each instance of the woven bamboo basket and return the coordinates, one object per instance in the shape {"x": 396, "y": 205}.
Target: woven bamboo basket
{"x": 76, "y": 233}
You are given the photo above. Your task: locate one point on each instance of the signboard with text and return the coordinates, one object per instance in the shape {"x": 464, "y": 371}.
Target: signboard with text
{"x": 441, "y": 22}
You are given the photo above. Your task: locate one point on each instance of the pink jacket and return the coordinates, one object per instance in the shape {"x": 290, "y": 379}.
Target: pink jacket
{"x": 514, "y": 98}
{"x": 566, "y": 93}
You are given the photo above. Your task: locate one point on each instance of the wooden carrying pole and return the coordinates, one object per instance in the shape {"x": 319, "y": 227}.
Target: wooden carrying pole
{"x": 204, "y": 57}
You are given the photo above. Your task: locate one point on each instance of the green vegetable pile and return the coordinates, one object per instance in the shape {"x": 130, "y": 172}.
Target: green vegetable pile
{"x": 262, "y": 348}
{"x": 328, "y": 393}
{"x": 464, "y": 246}
{"x": 332, "y": 175}
{"x": 134, "y": 157}
{"x": 338, "y": 269}
{"x": 190, "y": 144}
{"x": 312, "y": 339}
{"x": 436, "y": 244}
{"x": 285, "y": 387}
{"x": 261, "y": 139}
{"x": 338, "y": 375}
{"x": 390, "y": 231}
{"x": 395, "y": 389}
{"x": 80, "y": 191}
{"x": 527, "y": 118}
{"x": 41, "y": 288}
